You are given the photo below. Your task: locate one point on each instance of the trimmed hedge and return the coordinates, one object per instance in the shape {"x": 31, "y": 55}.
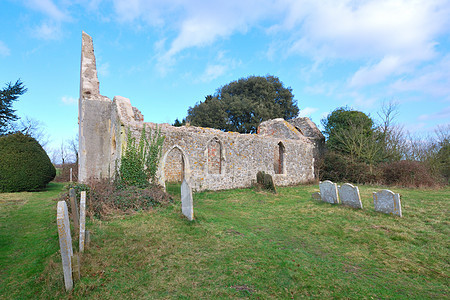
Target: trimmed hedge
{"x": 24, "y": 165}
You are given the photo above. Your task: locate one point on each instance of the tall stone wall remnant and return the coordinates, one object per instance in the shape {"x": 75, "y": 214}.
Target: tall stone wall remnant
{"x": 208, "y": 158}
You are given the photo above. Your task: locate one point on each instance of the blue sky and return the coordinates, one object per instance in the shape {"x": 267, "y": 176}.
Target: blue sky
{"x": 166, "y": 55}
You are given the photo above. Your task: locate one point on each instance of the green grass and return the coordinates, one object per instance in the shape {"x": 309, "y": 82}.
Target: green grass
{"x": 28, "y": 238}
{"x": 246, "y": 244}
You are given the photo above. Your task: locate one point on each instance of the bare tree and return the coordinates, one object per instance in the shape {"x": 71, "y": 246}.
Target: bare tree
{"x": 392, "y": 136}
{"x": 73, "y": 146}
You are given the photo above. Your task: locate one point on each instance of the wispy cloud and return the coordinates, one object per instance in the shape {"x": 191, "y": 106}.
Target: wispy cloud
{"x": 307, "y": 111}
{"x": 432, "y": 79}
{"x": 221, "y": 66}
{"x": 443, "y": 114}
{"x": 50, "y": 27}
{"x": 4, "y": 50}
{"x": 68, "y": 100}
{"x": 48, "y": 8}
{"x": 47, "y": 31}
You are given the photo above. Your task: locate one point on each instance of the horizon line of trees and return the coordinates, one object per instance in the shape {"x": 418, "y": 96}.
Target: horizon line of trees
{"x": 362, "y": 150}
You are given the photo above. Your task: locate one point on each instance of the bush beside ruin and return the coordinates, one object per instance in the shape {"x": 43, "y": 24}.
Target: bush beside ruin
{"x": 24, "y": 164}
{"x": 107, "y": 198}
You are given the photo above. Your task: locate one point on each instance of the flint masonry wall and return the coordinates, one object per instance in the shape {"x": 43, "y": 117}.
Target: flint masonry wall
{"x": 207, "y": 158}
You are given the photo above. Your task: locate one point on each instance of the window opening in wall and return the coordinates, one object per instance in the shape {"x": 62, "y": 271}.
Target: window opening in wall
{"x": 214, "y": 157}
{"x": 278, "y": 163}
{"x": 174, "y": 166}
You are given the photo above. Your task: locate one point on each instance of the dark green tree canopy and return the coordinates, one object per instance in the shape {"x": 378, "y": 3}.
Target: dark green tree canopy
{"x": 24, "y": 165}
{"x": 345, "y": 119}
{"x": 7, "y": 95}
{"x": 353, "y": 134}
{"x": 243, "y": 104}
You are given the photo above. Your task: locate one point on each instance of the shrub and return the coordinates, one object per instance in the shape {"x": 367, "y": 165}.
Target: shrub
{"x": 105, "y": 198}
{"x": 339, "y": 168}
{"x": 24, "y": 165}
{"x": 408, "y": 173}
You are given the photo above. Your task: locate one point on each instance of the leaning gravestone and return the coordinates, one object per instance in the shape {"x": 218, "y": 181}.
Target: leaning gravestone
{"x": 387, "y": 202}
{"x": 65, "y": 243}
{"x": 82, "y": 220}
{"x": 74, "y": 207}
{"x": 187, "y": 207}
{"x": 349, "y": 195}
{"x": 328, "y": 192}
{"x": 316, "y": 196}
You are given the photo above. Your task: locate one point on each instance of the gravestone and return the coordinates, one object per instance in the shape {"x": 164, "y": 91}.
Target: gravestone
{"x": 387, "y": 202}
{"x": 65, "y": 243}
{"x": 82, "y": 220}
{"x": 349, "y": 195}
{"x": 316, "y": 196}
{"x": 187, "y": 207}
{"x": 74, "y": 207}
{"x": 329, "y": 192}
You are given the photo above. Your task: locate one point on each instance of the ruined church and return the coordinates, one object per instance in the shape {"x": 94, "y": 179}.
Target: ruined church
{"x": 209, "y": 159}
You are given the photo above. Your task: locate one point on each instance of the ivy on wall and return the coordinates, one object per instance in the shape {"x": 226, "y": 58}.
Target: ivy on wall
{"x": 140, "y": 158}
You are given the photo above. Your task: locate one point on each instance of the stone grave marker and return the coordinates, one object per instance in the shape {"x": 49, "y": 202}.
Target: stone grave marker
{"x": 387, "y": 202}
{"x": 65, "y": 243}
{"x": 349, "y": 195}
{"x": 187, "y": 207}
{"x": 74, "y": 207}
{"x": 316, "y": 196}
{"x": 329, "y": 192}
{"x": 82, "y": 220}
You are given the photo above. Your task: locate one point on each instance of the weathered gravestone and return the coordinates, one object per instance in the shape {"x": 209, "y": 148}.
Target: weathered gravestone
{"x": 74, "y": 208}
{"x": 329, "y": 192}
{"x": 65, "y": 243}
{"x": 82, "y": 220}
{"x": 349, "y": 195}
{"x": 316, "y": 196}
{"x": 387, "y": 202}
{"x": 187, "y": 207}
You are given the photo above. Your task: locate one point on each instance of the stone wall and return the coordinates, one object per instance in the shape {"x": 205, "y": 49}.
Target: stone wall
{"x": 207, "y": 158}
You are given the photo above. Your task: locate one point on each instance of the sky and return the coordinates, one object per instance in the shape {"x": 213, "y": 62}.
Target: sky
{"x": 167, "y": 55}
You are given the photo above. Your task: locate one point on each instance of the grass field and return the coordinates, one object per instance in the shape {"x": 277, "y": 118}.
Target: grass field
{"x": 242, "y": 243}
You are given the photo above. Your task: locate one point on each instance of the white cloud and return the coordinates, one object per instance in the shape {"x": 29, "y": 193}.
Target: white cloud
{"x": 47, "y": 31}
{"x": 212, "y": 72}
{"x": 378, "y": 72}
{"x": 443, "y": 114}
{"x": 4, "y": 50}
{"x": 307, "y": 111}
{"x": 69, "y": 100}
{"x": 222, "y": 65}
{"x": 388, "y": 37}
{"x": 364, "y": 29}
{"x": 433, "y": 79}
{"x": 48, "y": 8}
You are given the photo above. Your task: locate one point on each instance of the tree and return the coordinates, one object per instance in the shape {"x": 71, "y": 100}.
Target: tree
{"x": 243, "y": 104}
{"x": 24, "y": 165}
{"x": 177, "y": 123}
{"x": 352, "y": 142}
{"x": 340, "y": 121}
{"x": 8, "y": 95}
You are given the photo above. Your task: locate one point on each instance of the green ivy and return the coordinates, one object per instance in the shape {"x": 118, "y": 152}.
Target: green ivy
{"x": 140, "y": 159}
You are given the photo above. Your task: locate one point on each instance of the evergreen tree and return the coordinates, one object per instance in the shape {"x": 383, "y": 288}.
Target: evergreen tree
{"x": 243, "y": 104}
{"x": 7, "y": 95}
